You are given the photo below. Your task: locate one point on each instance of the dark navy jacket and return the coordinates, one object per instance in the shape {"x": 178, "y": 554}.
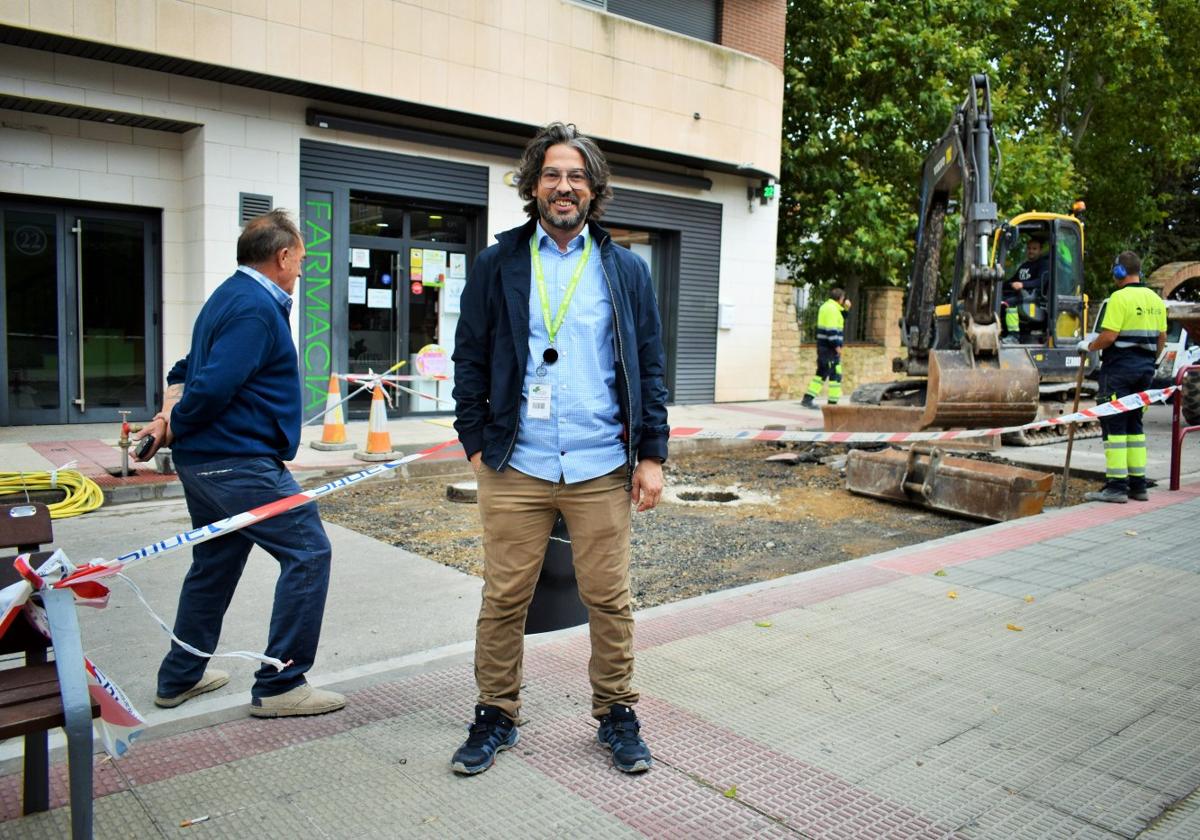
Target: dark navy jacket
{"x": 491, "y": 349}
{"x": 241, "y": 385}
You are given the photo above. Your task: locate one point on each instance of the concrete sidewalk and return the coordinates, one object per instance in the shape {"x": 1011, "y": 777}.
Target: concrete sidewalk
{"x": 855, "y": 701}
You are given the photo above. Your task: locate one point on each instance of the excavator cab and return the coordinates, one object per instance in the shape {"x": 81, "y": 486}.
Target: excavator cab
{"x": 1045, "y": 317}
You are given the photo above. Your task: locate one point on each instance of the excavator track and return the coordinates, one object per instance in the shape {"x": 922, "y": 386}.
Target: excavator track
{"x": 1050, "y": 434}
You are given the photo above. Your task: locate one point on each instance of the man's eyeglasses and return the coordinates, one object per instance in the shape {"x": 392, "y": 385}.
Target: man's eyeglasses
{"x": 575, "y": 177}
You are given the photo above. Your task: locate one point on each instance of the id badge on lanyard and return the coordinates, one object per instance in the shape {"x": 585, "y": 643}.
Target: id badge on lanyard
{"x": 539, "y": 401}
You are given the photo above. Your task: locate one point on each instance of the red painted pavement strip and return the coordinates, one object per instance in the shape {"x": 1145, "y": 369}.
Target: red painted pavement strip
{"x": 59, "y": 452}
{"x": 1035, "y": 529}
{"x": 658, "y": 804}
{"x": 806, "y": 797}
{"x": 92, "y": 457}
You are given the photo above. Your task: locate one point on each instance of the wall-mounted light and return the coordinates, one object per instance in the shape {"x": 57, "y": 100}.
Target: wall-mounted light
{"x": 510, "y": 179}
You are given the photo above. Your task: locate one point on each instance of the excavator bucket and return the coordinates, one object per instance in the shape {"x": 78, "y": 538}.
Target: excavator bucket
{"x": 990, "y": 393}
{"x": 962, "y": 486}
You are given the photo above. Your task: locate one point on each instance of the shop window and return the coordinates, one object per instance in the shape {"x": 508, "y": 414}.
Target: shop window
{"x": 438, "y": 226}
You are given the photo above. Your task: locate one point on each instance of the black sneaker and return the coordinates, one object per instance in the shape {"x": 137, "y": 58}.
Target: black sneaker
{"x": 1139, "y": 495}
{"x": 619, "y": 733}
{"x": 807, "y": 402}
{"x": 492, "y": 732}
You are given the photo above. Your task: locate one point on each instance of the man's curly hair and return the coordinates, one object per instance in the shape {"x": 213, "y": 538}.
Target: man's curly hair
{"x": 530, "y": 169}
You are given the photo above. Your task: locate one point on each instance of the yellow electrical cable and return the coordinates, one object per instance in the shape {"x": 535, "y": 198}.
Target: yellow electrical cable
{"x": 83, "y": 494}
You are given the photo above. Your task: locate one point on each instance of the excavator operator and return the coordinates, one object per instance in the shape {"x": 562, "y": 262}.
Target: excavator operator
{"x": 1026, "y": 283}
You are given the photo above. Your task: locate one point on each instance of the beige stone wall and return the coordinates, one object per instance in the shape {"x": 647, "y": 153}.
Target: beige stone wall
{"x": 793, "y": 363}
{"x": 521, "y": 60}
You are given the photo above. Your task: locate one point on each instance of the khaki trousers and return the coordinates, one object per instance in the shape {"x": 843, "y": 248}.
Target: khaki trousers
{"x": 518, "y": 513}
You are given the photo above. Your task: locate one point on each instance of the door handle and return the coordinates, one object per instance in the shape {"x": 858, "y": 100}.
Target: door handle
{"x": 81, "y": 400}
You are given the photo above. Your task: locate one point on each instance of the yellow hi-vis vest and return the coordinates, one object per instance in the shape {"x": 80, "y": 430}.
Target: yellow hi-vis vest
{"x": 1137, "y": 315}
{"x": 830, "y": 320}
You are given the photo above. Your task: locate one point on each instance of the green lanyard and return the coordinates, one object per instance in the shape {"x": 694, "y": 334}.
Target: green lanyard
{"x": 552, "y": 327}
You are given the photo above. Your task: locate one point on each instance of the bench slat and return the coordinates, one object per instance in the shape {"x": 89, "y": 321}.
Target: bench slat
{"x": 30, "y": 700}
{"x": 21, "y": 688}
{"x": 32, "y": 716}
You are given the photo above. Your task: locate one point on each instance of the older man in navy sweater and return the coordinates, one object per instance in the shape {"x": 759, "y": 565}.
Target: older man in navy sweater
{"x": 232, "y": 417}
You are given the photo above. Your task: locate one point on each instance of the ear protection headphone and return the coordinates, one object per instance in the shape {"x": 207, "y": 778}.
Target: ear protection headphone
{"x": 1118, "y": 270}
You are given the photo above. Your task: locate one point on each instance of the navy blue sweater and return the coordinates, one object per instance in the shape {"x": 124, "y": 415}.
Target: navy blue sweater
{"x": 241, "y": 384}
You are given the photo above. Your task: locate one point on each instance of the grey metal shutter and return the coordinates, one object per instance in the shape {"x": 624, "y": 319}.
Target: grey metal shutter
{"x": 698, "y": 224}
{"x": 698, "y": 18}
{"x": 389, "y": 172}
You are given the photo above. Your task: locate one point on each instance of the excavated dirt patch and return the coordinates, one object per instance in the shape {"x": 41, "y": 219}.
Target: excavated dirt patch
{"x": 803, "y": 519}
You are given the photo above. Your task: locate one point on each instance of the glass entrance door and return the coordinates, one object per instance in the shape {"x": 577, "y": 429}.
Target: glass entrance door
{"x": 33, "y": 333}
{"x": 110, "y": 324}
{"x": 375, "y": 328}
{"x": 407, "y": 268}
{"x": 80, "y": 326}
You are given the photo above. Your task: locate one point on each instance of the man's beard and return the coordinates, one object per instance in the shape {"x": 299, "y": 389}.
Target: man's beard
{"x": 569, "y": 222}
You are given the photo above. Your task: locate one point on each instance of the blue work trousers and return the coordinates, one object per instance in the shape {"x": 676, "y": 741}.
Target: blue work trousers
{"x": 214, "y": 491}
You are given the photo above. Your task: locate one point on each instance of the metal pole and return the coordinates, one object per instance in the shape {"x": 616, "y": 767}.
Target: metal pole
{"x": 1066, "y": 475}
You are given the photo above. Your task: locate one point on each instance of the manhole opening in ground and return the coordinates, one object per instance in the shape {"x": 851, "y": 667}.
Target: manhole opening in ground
{"x": 708, "y": 496}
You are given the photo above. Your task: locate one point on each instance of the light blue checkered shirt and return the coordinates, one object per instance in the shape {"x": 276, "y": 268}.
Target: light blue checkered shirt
{"x": 281, "y": 297}
{"x": 582, "y": 438}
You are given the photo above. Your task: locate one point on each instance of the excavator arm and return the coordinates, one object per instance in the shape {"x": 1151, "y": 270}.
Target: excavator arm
{"x": 958, "y": 165}
{"x": 968, "y": 379}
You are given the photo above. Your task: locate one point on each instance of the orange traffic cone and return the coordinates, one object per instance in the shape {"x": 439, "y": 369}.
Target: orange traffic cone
{"x": 333, "y": 435}
{"x": 379, "y": 441}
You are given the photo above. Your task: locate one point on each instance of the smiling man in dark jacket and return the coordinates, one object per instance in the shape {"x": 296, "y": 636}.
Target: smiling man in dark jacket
{"x": 561, "y": 408}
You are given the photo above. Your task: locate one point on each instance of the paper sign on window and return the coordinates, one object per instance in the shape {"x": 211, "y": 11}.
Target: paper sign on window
{"x": 434, "y": 268}
{"x": 358, "y": 289}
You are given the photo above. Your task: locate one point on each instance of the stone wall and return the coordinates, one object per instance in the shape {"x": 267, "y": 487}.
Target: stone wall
{"x": 793, "y": 362}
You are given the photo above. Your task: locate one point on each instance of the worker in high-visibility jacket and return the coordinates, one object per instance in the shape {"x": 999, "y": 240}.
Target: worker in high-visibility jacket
{"x": 1132, "y": 334}
{"x": 831, "y": 320}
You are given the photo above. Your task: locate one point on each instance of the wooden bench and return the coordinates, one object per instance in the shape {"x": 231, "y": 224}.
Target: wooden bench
{"x": 39, "y": 696}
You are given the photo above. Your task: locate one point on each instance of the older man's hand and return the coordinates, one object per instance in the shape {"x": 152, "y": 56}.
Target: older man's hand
{"x": 647, "y": 484}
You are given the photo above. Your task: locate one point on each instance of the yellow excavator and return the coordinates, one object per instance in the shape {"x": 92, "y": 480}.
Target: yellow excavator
{"x": 970, "y": 363}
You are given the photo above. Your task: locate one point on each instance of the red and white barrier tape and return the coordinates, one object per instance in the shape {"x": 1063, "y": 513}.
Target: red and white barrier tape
{"x": 1131, "y": 402}
{"x": 98, "y": 570}
{"x": 119, "y": 722}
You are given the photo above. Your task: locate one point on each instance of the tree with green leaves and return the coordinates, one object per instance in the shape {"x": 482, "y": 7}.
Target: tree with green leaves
{"x": 1092, "y": 100}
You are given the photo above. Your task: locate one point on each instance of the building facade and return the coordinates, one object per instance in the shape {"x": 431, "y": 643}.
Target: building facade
{"x": 136, "y": 136}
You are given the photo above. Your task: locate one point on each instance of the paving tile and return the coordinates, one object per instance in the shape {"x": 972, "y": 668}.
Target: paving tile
{"x": 944, "y": 794}
{"x": 1099, "y": 798}
{"x": 1181, "y": 822}
{"x": 1159, "y": 751}
{"x": 1181, "y": 703}
{"x": 1021, "y": 818}
{"x": 118, "y": 815}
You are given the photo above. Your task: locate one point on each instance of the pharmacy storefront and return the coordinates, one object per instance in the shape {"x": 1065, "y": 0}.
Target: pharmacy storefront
{"x": 390, "y": 238}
